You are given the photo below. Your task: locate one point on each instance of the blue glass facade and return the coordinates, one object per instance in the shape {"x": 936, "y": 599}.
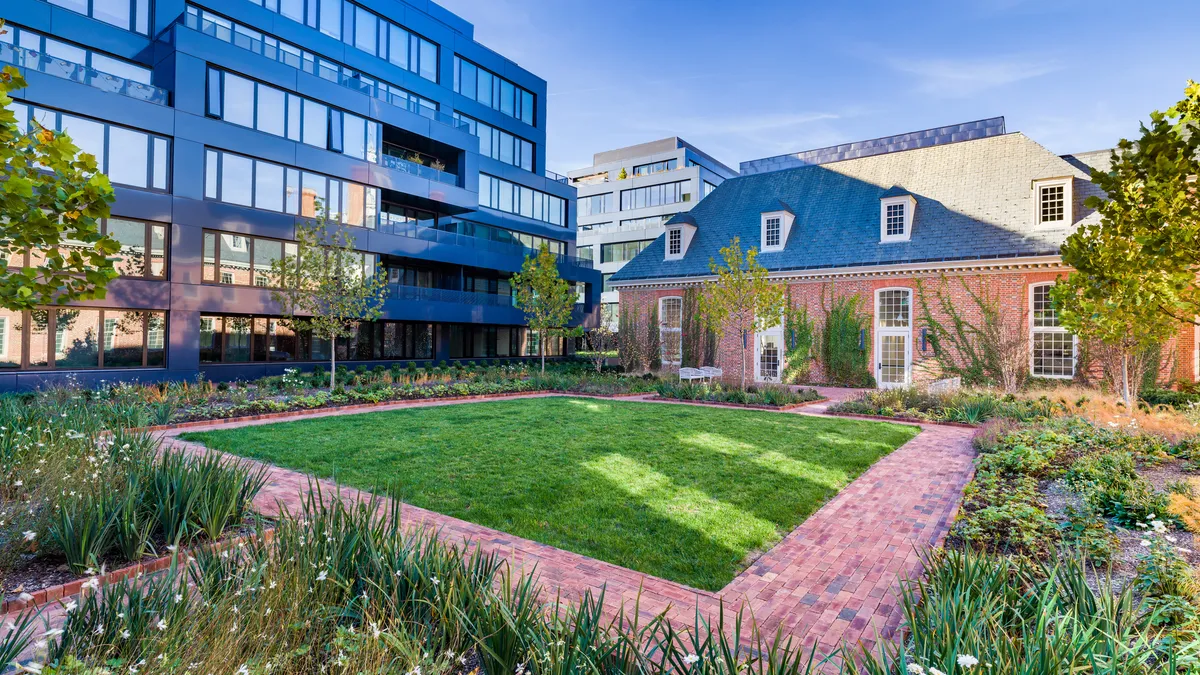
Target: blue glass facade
{"x": 222, "y": 122}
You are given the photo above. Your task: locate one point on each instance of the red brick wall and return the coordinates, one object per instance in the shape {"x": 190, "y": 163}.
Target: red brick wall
{"x": 1011, "y": 288}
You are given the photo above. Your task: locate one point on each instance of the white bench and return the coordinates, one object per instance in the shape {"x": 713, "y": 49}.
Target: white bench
{"x": 691, "y": 374}
{"x": 712, "y": 372}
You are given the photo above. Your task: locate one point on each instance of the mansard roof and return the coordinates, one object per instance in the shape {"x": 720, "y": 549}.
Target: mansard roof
{"x": 974, "y": 200}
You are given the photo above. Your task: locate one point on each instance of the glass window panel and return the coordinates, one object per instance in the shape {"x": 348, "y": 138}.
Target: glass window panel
{"x": 266, "y": 252}
{"x": 77, "y": 338}
{"x": 237, "y": 339}
{"x": 86, "y": 134}
{"x": 398, "y": 51}
{"x": 124, "y": 339}
{"x": 131, "y": 258}
{"x": 210, "y": 257}
{"x": 128, "y": 161}
{"x": 293, "y": 117}
{"x": 331, "y": 18}
{"x": 235, "y": 259}
{"x": 237, "y": 179}
{"x": 156, "y": 338}
{"x": 483, "y": 89}
{"x": 293, "y": 191}
{"x": 364, "y": 30}
{"x": 292, "y": 9}
{"x": 64, "y": 51}
{"x": 268, "y": 186}
{"x": 158, "y": 251}
{"x": 271, "y": 117}
{"x": 507, "y": 91}
{"x": 354, "y": 136}
{"x": 353, "y": 213}
{"x": 161, "y": 157}
{"x": 212, "y": 337}
{"x": 429, "y": 61}
{"x": 469, "y": 76}
{"x": 73, "y": 5}
{"x": 312, "y": 194}
{"x": 123, "y": 69}
{"x": 260, "y": 342}
{"x": 39, "y": 338}
{"x": 115, "y": 12}
{"x": 238, "y": 97}
{"x": 527, "y": 107}
{"x": 211, "y": 166}
{"x": 315, "y": 124}
{"x": 10, "y": 339}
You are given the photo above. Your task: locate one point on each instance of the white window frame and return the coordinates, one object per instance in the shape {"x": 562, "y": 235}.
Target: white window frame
{"x": 762, "y": 239}
{"x": 662, "y": 329}
{"x": 1068, "y": 201}
{"x": 1034, "y": 330}
{"x": 671, "y": 232}
{"x": 910, "y": 208}
{"x": 907, "y": 331}
{"x": 3, "y": 337}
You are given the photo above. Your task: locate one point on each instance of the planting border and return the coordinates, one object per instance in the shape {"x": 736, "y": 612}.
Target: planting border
{"x": 901, "y": 420}
{"x": 750, "y": 406}
{"x": 51, "y": 594}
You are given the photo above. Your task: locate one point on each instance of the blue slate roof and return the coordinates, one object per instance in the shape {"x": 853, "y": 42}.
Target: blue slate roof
{"x": 974, "y": 201}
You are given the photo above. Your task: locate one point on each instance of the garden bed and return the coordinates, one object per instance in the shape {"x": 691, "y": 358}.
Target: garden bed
{"x": 729, "y": 404}
{"x": 765, "y": 396}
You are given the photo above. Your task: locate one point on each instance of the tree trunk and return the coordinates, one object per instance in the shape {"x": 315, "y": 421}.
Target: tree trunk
{"x": 743, "y": 360}
{"x": 332, "y": 364}
{"x": 1125, "y": 380}
{"x": 542, "y": 350}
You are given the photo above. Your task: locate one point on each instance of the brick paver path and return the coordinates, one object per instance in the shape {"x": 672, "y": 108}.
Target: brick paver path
{"x": 832, "y": 580}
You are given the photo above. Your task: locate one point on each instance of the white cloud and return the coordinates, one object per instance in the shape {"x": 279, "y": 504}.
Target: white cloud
{"x": 961, "y": 78}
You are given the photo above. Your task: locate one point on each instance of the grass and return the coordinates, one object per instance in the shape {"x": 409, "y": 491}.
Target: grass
{"x": 688, "y": 494}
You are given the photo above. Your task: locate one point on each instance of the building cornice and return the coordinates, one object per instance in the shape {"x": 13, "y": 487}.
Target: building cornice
{"x": 1048, "y": 263}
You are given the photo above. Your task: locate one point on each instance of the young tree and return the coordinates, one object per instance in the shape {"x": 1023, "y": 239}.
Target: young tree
{"x": 545, "y": 297}
{"x": 52, "y": 202}
{"x": 324, "y": 287}
{"x": 1147, "y": 246}
{"x": 741, "y": 297}
{"x": 600, "y": 341}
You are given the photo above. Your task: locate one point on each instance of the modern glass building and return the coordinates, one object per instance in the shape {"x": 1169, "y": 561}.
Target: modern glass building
{"x": 621, "y": 213}
{"x": 223, "y": 123}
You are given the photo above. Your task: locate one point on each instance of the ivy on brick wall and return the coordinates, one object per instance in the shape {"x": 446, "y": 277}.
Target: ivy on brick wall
{"x": 699, "y": 346}
{"x": 799, "y": 336}
{"x": 629, "y": 342}
{"x": 843, "y": 340}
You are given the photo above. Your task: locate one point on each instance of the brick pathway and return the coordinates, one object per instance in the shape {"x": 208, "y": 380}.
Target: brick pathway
{"x": 831, "y": 580}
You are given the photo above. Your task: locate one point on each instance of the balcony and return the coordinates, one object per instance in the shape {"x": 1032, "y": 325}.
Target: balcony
{"x": 423, "y": 294}
{"x": 393, "y": 161}
{"x": 556, "y": 177}
{"x": 291, "y": 56}
{"x": 415, "y": 230}
{"x": 42, "y": 63}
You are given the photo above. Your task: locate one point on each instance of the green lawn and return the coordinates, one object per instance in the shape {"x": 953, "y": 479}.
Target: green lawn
{"x": 687, "y": 493}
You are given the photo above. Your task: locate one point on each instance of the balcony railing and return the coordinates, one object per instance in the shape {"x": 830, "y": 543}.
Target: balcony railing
{"x": 43, "y": 63}
{"x": 355, "y": 82}
{"x": 401, "y": 164}
{"x": 422, "y": 294}
{"x": 557, "y": 177}
{"x": 415, "y": 230}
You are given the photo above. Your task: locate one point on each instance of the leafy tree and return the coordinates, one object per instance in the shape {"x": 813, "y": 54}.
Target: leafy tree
{"x": 1135, "y": 270}
{"x": 52, "y": 203}
{"x": 600, "y": 341}
{"x": 544, "y": 296}
{"x": 324, "y": 289}
{"x": 741, "y": 297}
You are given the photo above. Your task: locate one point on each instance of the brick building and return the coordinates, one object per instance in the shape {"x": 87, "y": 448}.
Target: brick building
{"x": 916, "y": 225}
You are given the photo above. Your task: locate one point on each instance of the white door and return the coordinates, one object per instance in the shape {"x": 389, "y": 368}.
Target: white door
{"x": 893, "y": 338}
{"x": 768, "y": 355}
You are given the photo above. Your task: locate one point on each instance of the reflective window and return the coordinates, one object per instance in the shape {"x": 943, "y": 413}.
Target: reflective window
{"x": 39, "y": 42}
{"x": 78, "y": 338}
{"x": 495, "y": 92}
{"x": 131, "y": 15}
{"x": 622, "y": 251}
{"x": 1053, "y": 347}
{"x": 239, "y": 339}
{"x": 129, "y": 157}
{"x": 654, "y": 195}
{"x": 498, "y": 144}
{"x": 502, "y": 195}
{"x": 655, "y": 167}
{"x": 596, "y": 204}
{"x": 236, "y": 179}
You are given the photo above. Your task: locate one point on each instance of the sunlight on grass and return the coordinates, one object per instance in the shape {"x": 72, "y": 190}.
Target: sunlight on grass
{"x": 689, "y": 507}
{"x": 590, "y": 406}
{"x": 771, "y": 460}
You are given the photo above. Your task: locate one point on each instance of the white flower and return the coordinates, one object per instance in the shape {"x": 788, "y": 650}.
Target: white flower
{"x": 915, "y": 669}
{"x": 178, "y": 597}
{"x": 322, "y": 576}
{"x": 690, "y": 659}
{"x": 967, "y": 661}
{"x": 125, "y": 634}
{"x": 70, "y": 606}
{"x": 90, "y": 584}
{"x": 243, "y": 670}
{"x": 29, "y": 535}
{"x": 1145, "y": 542}
{"x": 162, "y": 625}
{"x": 519, "y": 671}
{"x": 19, "y": 483}
{"x": 935, "y": 671}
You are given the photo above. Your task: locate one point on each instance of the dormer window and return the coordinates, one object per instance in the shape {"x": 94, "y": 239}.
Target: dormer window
{"x": 776, "y": 225}
{"x": 1052, "y": 202}
{"x": 674, "y": 242}
{"x": 896, "y": 218}
{"x": 771, "y": 239}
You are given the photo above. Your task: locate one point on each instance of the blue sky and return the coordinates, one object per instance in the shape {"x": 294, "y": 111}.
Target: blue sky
{"x": 745, "y": 79}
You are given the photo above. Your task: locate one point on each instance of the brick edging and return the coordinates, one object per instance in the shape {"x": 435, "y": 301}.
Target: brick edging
{"x": 902, "y": 420}
{"x": 52, "y": 593}
{"x": 351, "y": 406}
{"x": 751, "y": 406}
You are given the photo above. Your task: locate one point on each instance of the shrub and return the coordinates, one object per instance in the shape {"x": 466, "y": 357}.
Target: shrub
{"x": 1006, "y": 516}
{"x": 1087, "y": 532}
{"x": 81, "y": 528}
{"x": 842, "y": 351}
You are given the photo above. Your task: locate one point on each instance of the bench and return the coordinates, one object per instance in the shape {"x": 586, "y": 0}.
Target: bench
{"x": 712, "y": 372}
{"x": 691, "y": 374}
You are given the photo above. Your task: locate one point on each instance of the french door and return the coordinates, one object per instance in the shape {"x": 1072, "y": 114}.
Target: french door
{"x": 768, "y": 355}
{"x": 893, "y": 337}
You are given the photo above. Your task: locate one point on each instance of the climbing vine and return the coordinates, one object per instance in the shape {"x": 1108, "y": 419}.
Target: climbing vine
{"x": 799, "y": 335}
